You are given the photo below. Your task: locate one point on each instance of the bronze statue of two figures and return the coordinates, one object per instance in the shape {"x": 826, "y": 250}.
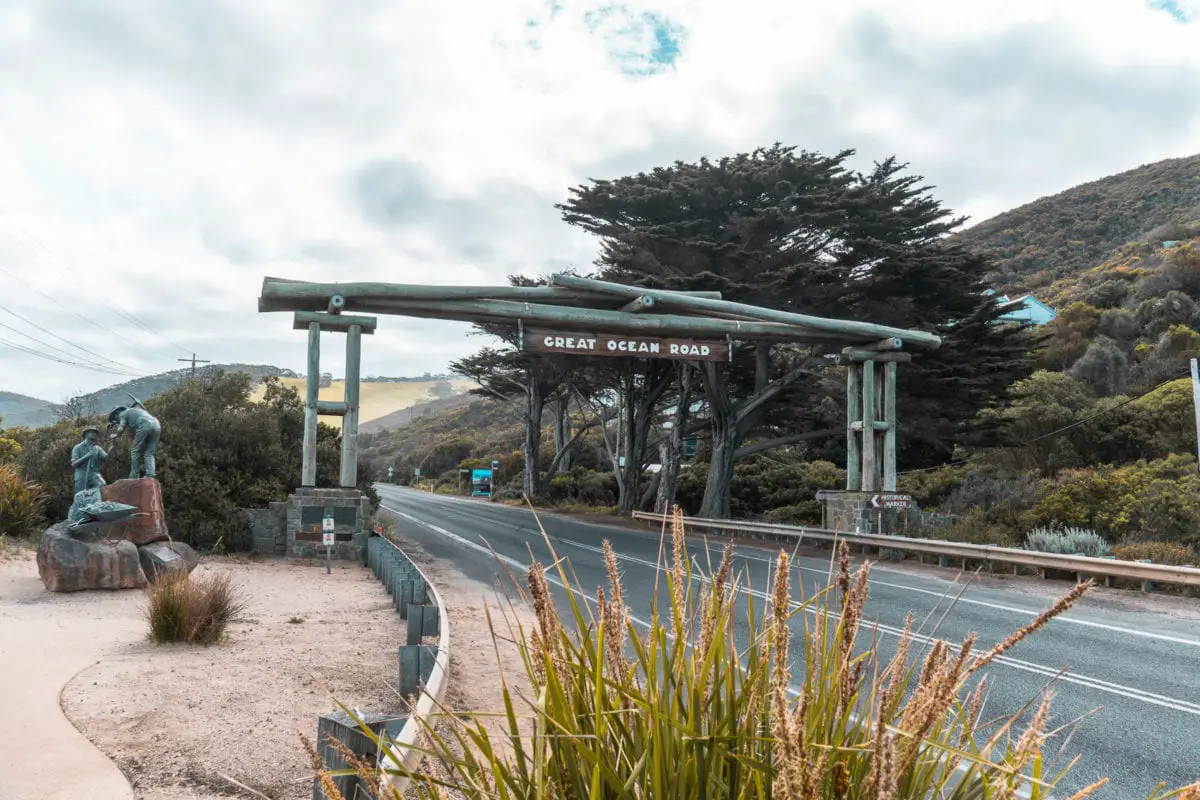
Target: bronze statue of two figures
{"x": 87, "y": 456}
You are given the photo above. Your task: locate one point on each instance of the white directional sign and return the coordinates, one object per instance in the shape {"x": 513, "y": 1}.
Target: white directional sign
{"x": 327, "y": 524}
{"x": 890, "y": 501}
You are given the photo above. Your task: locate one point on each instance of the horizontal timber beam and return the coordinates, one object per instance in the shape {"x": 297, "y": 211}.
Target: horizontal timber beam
{"x": 332, "y": 408}
{"x": 637, "y": 304}
{"x": 506, "y": 312}
{"x": 849, "y": 328}
{"x": 281, "y": 294}
{"x": 852, "y": 355}
{"x": 333, "y": 322}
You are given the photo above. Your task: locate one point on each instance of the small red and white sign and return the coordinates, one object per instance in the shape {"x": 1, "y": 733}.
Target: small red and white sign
{"x": 327, "y": 538}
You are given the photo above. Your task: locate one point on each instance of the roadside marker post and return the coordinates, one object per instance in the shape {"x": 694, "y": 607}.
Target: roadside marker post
{"x": 327, "y": 540}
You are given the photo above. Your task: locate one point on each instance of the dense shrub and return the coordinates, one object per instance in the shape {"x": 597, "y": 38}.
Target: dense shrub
{"x": 182, "y": 608}
{"x": 1069, "y": 541}
{"x": 220, "y": 452}
{"x": 1147, "y": 501}
{"x": 583, "y": 487}
{"x": 22, "y": 504}
{"x": 1158, "y": 552}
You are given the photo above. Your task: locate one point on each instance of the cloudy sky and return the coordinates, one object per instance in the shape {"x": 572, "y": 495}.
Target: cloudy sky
{"x": 158, "y": 159}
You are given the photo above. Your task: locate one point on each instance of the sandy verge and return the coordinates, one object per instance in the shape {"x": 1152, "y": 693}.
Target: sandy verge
{"x": 179, "y": 719}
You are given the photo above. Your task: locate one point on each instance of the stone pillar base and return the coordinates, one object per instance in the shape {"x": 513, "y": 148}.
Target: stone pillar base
{"x": 350, "y": 510}
{"x": 854, "y": 512}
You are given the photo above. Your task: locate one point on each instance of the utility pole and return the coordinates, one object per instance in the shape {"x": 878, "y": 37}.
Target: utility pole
{"x": 194, "y": 361}
{"x": 1196, "y": 404}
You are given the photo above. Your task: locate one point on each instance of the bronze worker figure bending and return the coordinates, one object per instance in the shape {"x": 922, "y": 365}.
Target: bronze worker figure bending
{"x": 146, "y": 432}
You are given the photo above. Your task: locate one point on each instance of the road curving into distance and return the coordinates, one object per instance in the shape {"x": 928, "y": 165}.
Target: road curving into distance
{"x": 1129, "y": 670}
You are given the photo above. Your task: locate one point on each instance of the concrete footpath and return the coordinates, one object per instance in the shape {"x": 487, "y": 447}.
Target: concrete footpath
{"x": 45, "y": 640}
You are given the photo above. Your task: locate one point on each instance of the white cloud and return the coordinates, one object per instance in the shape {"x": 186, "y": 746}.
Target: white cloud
{"x": 159, "y": 160}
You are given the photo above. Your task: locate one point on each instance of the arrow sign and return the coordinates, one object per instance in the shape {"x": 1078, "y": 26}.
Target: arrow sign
{"x": 890, "y": 501}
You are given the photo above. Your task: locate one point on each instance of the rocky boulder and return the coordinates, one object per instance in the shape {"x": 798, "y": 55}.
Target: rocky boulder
{"x": 164, "y": 558}
{"x": 67, "y": 564}
{"x": 146, "y": 494}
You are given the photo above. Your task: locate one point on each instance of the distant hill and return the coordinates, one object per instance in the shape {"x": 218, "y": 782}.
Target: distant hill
{"x": 18, "y": 410}
{"x": 407, "y": 416}
{"x": 480, "y": 429}
{"x": 106, "y": 399}
{"x": 1064, "y": 234}
{"x": 384, "y": 398}
{"x": 32, "y": 412}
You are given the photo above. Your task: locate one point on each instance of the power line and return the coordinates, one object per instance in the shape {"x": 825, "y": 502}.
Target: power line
{"x": 66, "y": 353}
{"x": 67, "y": 268}
{"x": 83, "y": 365}
{"x": 81, "y": 348}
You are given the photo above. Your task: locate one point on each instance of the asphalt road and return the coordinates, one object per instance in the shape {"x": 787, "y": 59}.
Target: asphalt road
{"x": 1130, "y": 676}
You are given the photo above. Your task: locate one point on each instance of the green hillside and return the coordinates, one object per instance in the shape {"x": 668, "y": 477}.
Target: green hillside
{"x": 438, "y": 442}
{"x": 1072, "y": 231}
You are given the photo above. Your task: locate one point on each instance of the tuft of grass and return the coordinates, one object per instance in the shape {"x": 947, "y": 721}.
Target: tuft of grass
{"x": 296, "y": 620}
{"x": 181, "y": 608}
{"x": 22, "y": 504}
{"x": 728, "y": 693}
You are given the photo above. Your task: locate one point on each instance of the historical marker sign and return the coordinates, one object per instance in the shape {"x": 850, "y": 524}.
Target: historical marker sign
{"x": 890, "y": 501}
{"x": 599, "y": 344}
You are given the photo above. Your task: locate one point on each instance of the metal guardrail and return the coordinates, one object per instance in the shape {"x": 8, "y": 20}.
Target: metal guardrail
{"x": 422, "y": 673}
{"x": 422, "y": 668}
{"x": 1082, "y": 565}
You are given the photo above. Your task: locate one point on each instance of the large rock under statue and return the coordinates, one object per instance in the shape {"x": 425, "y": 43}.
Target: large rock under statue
{"x": 146, "y": 494}
{"x": 67, "y": 564}
{"x": 167, "y": 558}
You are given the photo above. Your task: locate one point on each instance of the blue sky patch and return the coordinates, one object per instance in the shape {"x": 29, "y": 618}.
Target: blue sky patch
{"x": 1173, "y": 8}
{"x": 641, "y": 43}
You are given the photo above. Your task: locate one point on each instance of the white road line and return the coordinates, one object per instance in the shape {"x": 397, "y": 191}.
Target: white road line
{"x": 793, "y": 690}
{"x": 1121, "y": 690}
{"x": 1085, "y": 681}
{"x": 1067, "y": 619}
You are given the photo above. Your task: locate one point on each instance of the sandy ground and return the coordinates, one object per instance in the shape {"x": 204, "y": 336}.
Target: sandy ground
{"x": 178, "y": 720}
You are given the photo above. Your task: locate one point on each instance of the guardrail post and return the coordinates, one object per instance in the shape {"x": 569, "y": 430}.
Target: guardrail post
{"x": 943, "y": 561}
{"x": 340, "y": 726}
{"x": 416, "y": 665}
{"x": 404, "y": 596}
{"x": 1147, "y": 586}
{"x": 422, "y": 621}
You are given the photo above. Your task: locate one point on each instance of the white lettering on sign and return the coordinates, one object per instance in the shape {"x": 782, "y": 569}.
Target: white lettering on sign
{"x": 626, "y": 346}
{"x": 569, "y": 342}
{"x": 690, "y": 349}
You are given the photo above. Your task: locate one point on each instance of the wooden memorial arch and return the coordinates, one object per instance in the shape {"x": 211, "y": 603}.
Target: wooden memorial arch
{"x": 593, "y": 317}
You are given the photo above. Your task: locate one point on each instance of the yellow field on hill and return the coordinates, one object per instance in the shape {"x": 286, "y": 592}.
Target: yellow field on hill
{"x": 375, "y": 399}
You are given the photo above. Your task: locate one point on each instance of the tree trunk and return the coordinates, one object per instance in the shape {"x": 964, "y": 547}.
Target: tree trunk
{"x": 731, "y": 425}
{"x": 718, "y": 489}
{"x": 533, "y": 434}
{"x": 671, "y": 450}
{"x": 639, "y": 415}
{"x": 562, "y": 434}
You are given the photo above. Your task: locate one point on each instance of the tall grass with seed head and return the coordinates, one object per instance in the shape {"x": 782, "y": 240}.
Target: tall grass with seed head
{"x": 182, "y": 608}
{"x": 685, "y": 709}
